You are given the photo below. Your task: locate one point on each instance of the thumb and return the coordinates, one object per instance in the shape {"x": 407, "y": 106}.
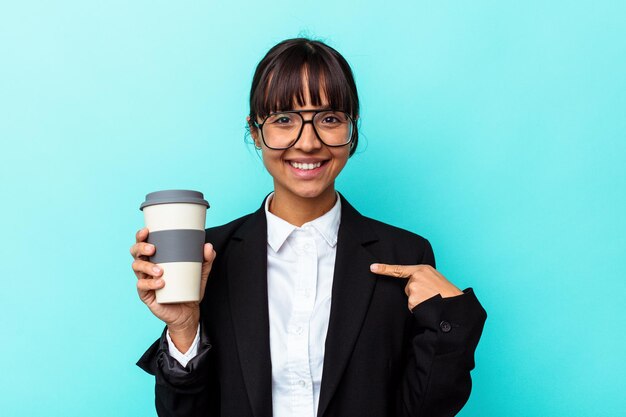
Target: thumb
{"x": 209, "y": 257}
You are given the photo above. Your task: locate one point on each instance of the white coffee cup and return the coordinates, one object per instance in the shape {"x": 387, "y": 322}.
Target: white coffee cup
{"x": 175, "y": 221}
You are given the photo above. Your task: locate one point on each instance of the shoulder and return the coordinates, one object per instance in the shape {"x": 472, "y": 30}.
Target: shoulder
{"x": 395, "y": 243}
{"x": 408, "y": 246}
{"x": 373, "y": 227}
{"x": 385, "y": 230}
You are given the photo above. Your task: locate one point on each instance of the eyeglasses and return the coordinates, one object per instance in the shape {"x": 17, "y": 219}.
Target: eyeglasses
{"x": 281, "y": 130}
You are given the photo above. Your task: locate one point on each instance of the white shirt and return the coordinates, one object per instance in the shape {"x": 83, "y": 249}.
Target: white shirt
{"x": 300, "y": 265}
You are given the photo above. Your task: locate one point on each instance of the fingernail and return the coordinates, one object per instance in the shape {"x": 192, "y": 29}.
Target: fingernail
{"x": 373, "y": 267}
{"x": 156, "y": 269}
{"x": 149, "y": 247}
{"x": 159, "y": 281}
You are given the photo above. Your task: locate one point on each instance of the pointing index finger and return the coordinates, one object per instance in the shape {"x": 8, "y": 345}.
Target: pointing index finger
{"x": 397, "y": 271}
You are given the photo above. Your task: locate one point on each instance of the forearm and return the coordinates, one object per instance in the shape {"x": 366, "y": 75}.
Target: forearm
{"x": 440, "y": 356}
{"x": 189, "y": 390}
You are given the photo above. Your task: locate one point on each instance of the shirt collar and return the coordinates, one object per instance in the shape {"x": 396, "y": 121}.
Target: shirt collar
{"x": 327, "y": 225}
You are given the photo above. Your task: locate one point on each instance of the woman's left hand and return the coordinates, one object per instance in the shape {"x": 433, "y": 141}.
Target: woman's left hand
{"x": 424, "y": 281}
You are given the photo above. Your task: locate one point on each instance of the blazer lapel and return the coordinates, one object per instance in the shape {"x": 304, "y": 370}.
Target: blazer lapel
{"x": 353, "y": 285}
{"x": 247, "y": 284}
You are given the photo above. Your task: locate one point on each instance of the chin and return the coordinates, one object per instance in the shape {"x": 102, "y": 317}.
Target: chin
{"x": 309, "y": 192}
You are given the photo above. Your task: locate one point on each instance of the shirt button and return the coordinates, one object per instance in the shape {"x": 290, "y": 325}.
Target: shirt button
{"x": 299, "y": 331}
{"x": 302, "y": 383}
{"x": 445, "y": 326}
{"x": 307, "y": 247}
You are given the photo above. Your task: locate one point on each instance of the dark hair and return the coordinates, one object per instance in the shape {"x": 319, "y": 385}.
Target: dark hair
{"x": 278, "y": 80}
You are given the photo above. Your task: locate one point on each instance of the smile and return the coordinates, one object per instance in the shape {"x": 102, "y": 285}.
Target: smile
{"x": 304, "y": 166}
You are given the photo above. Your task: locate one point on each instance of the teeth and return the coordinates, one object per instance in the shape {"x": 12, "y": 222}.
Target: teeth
{"x": 305, "y": 166}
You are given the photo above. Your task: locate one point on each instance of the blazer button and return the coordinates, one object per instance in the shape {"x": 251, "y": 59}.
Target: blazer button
{"x": 445, "y": 326}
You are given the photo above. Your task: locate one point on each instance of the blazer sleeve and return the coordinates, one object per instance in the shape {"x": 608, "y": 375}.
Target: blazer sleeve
{"x": 189, "y": 391}
{"x": 440, "y": 353}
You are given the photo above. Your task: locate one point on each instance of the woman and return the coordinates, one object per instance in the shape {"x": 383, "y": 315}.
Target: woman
{"x": 305, "y": 301}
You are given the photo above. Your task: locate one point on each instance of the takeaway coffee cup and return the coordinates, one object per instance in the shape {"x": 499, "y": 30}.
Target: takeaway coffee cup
{"x": 175, "y": 221}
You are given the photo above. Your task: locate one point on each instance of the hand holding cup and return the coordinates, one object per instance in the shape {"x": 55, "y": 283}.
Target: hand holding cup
{"x": 181, "y": 318}
{"x": 172, "y": 262}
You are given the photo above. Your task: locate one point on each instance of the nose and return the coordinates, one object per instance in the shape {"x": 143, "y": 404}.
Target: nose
{"x": 309, "y": 141}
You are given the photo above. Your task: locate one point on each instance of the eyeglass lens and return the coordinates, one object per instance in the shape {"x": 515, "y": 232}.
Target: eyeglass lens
{"x": 281, "y": 130}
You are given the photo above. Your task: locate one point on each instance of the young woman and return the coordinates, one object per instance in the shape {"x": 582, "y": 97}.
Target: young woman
{"x": 305, "y": 301}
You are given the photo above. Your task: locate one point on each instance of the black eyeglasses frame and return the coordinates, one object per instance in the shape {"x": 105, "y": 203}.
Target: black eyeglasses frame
{"x": 304, "y": 122}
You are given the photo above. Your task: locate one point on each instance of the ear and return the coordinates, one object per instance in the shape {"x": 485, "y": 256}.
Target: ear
{"x": 254, "y": 132}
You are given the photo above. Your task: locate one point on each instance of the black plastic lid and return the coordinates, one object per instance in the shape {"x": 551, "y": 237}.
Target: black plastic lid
{"x": 174, "y": 196}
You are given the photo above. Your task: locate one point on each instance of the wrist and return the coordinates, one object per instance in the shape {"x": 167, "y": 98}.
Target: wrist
{"x": 183, "y": 337}
{"x": 452, "y": 291}
{"x": 186, "y": 326}
{"x": 184, "y": 333}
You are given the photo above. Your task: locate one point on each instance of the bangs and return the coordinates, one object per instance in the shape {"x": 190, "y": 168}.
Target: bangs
{"x": 282, "y": 85}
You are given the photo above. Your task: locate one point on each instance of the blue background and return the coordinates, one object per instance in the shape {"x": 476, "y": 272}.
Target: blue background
{"x": 494, "y": 128}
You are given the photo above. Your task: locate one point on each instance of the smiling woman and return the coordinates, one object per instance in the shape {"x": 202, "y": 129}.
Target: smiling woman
{"x": 301, "y": 84}
{"x": 304, "y": 302}
{"x": 306, "y": 167}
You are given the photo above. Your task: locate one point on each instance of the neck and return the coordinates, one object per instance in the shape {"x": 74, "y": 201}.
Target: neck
{"x": 299, "y": 210}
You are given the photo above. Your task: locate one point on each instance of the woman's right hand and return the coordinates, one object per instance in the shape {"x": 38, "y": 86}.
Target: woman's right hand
{"x": 182, "y": 319}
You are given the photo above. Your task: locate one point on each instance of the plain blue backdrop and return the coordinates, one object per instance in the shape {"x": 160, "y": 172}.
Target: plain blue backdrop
{"x": 494, "y": 128}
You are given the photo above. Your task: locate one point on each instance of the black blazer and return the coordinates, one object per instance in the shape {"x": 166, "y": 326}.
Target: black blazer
{"x": 380, "y": 358}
